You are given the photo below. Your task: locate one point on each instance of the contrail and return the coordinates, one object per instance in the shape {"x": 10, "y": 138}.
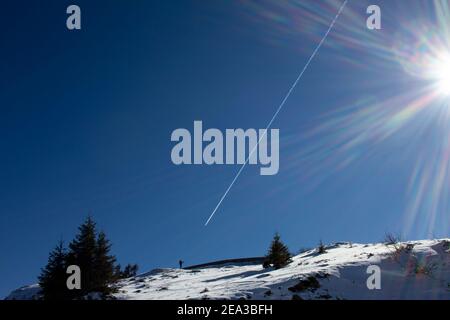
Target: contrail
{"x": 279, "y": 108}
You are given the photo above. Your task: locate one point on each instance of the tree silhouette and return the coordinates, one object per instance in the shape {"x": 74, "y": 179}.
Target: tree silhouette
{"x": 130, "y": 270}
{"x": 278, "y": 255}
{"x": 82, "y": 252}
{"x": 52, "y": 279}
{"x": 90, "y": 251}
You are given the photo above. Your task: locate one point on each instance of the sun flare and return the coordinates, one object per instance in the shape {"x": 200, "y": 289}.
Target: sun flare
{"x": 440, "y": 72}
{"x": 444, "y": 82}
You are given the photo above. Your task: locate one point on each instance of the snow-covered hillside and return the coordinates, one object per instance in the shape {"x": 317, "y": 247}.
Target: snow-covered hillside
{"x": 412, "y": 270}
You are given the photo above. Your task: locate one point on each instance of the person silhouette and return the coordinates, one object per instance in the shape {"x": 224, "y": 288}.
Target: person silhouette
{"x": 181, "y": 263}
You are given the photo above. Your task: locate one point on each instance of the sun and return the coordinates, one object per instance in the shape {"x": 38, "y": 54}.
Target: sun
{"x": 440, "y": 73}
{"x": 443, "y": 81}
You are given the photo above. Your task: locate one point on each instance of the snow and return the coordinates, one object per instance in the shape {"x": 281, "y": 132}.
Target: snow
{"x": 25, "y": 293}
{"x": 416, "y": 270}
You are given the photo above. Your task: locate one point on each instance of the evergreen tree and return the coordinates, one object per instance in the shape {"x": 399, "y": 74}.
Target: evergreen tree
{"x": 83, "y": 250}
{"x": 52, "y": 279}
{"x": 104, "y": 266}
{"x": 321, "y": 248}
{"x": 278, "y": 255}
{"x": 129, "y": 271}
{"x": 90, "y": 251}
{"x": 118, "y": 272}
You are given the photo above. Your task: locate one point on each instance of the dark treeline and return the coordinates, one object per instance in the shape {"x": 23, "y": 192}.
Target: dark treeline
{"x": 90, "y": 251}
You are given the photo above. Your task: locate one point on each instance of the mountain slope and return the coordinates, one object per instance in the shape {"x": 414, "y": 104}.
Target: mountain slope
{"x": 413, "y": 270}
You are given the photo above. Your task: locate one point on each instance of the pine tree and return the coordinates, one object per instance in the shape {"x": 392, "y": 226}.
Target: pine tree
{"x": 129, "y": 271}
{"x": 91, "y": 252}
{"x": 52, "y": 279}
{"x": 83, "y": 250}
{"x": 321, "y": 248}
{"x": 104, "y": 266}
{"x": 278, "y": 255}
{"x": 118, "y": 272}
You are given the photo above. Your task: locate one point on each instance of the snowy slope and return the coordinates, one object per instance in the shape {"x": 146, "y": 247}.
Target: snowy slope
{"x": 413, "y": 270}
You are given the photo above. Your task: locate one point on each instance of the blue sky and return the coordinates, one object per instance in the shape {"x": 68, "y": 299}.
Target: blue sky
{"x": 86, "y": 119}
